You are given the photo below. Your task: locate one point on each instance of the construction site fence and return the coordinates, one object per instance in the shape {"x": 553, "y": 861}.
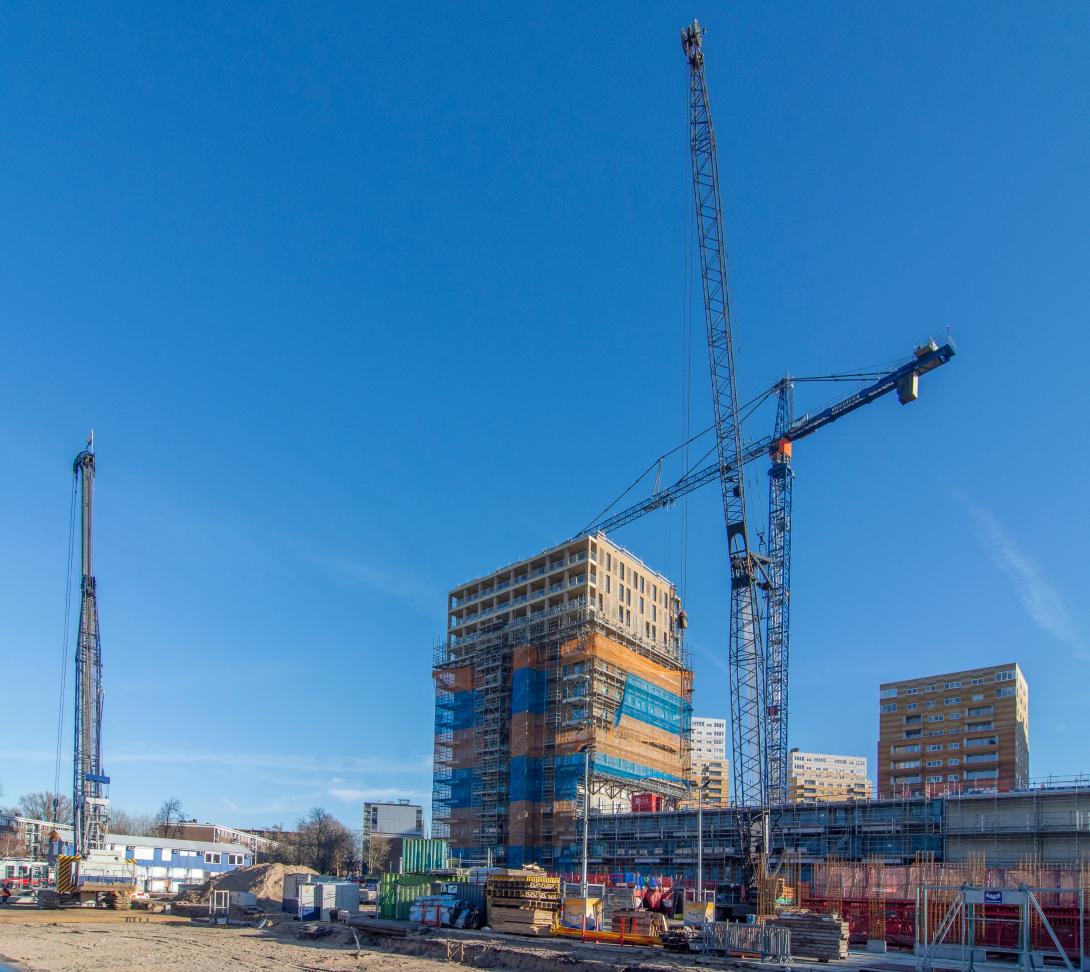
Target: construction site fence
{"x": 898, "y": 923}
{"x": 1006, "y": 929}
{"x": 631, "y": 879}
{"x": 867, "y": 879}
{"x": 734, "y": 938}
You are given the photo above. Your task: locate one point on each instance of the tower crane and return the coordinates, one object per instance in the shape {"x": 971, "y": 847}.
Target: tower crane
{"x": 759, "y": 673}
{"x": 778, "y": 595}
{"x": 746, "y": 655}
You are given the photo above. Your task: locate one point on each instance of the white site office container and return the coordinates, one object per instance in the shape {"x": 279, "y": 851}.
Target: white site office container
{"x": 342, "y": 895}
{"x": 307, "y": 897}
{"x": 291, "y": 889}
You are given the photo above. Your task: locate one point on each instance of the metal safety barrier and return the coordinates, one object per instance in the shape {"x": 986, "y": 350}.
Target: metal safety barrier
{"x": 772, "y": 944}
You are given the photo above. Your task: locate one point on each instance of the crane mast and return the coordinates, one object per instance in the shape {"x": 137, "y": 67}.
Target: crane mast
{"x": 90, "y": 806}
{"x": 778, "y": 595}
{"x": 746, "y": 657}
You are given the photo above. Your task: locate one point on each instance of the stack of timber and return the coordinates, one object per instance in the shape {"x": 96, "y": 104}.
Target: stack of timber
{"x": 822, "y": 937}
{"x": 523, "y": 902}
{"x": 636, "y": 921}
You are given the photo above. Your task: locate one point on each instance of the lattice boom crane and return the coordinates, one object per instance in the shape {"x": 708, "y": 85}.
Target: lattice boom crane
{"x": 746, "y": 655}
{"x": 90, "y": 805}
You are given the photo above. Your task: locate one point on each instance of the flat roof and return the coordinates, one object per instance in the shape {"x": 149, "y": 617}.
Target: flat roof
{"x": 941, "y": 675}
{"x": 132, "y": 840}
{"x": 597, "y": 537}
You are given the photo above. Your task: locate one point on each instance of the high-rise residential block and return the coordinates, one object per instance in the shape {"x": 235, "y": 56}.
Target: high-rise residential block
{"x": 959, "y": 732}
{"x": 708, "y": 760}
{"x": 827, "y": 777}
{"x": 567, "y": 663}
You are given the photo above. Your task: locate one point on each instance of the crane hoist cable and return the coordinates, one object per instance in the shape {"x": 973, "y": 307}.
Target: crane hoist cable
{"x": 61, "y": 698}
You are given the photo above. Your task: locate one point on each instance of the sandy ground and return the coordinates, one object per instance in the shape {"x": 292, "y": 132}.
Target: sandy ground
{"x": 44, "y": 941}
{"x": 50, "y": 940}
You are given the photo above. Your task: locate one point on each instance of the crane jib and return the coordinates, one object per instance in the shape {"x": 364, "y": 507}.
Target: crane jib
{"x": 799, "y": 429}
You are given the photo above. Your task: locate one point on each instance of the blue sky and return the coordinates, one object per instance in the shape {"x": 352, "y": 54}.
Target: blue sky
{"x": 362, "y": 303}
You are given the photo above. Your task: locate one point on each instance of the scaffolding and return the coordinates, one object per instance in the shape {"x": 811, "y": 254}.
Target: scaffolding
{"x": 520, "y": 705}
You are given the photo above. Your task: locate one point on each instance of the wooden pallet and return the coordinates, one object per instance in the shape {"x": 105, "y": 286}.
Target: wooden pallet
{"x": 521, "y": 921}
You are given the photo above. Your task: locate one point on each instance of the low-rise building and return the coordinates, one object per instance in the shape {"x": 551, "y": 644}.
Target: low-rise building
{"x": 218, "y": 834}
{"x": 827, "y": 777}
{"x": 162, "y": 863}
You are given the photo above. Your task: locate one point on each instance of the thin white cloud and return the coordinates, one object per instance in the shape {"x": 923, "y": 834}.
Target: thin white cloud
{"x": 718, "y": 660}
{"x": 349, "y": 795}
{"x": 427, "y": 599}
{"x": 1039, "y": 599}
{"x": 279, "y": 761}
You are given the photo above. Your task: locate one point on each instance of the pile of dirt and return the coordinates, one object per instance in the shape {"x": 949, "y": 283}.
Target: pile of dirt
{"x": 266, "y": 881}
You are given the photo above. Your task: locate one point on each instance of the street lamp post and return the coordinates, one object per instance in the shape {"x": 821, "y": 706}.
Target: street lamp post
{"x": 699, "y": 843}
{"x": 586, "y": 816}
{"x": 700, "y": 833}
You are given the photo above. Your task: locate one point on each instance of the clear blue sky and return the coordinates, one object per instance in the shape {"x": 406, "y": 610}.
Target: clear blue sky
{"x": 362, "y": 303}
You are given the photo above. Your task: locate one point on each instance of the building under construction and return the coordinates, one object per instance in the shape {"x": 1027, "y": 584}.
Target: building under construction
{"x": 564, "y": 667}
{"x": 1048, "y": 823}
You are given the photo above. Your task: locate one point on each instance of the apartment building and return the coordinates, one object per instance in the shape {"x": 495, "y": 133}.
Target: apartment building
{"x": 961, "y": 732}
{"x": 567, "y": 663}
{"x": 827, "y": 777}
{"x": 708, "y": 759}
{"x": 218, "y": 834}
{"x": 393, "y": 819}
{"x": 592, "y": 573}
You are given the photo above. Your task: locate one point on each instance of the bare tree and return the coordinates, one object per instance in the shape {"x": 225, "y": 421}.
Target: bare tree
{"x": 169, "y": 819}
{"x": 323, "y": 842}
{"x": 40, "y": 806}
{"x": 12, "y": 844}
{"x": 376, "y": 851}
{"x": 133, "y": 824}
{"x": 285, "y": 850}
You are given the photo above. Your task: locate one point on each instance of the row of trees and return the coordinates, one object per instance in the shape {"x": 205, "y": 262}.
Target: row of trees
{"x": 44, "y": 805}
{"x": 319, "y": 840}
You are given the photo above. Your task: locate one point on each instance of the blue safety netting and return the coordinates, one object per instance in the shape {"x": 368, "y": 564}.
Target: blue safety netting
{"x": 525, "y": 778}
{"x": 569, "y": 772}
{"x": 527, "y": 690}
{"x": 654, "y": 705}
{"x": 461, "y": 789}
{"x": 455, "y": 711}
{"x": 519, "y": 855}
